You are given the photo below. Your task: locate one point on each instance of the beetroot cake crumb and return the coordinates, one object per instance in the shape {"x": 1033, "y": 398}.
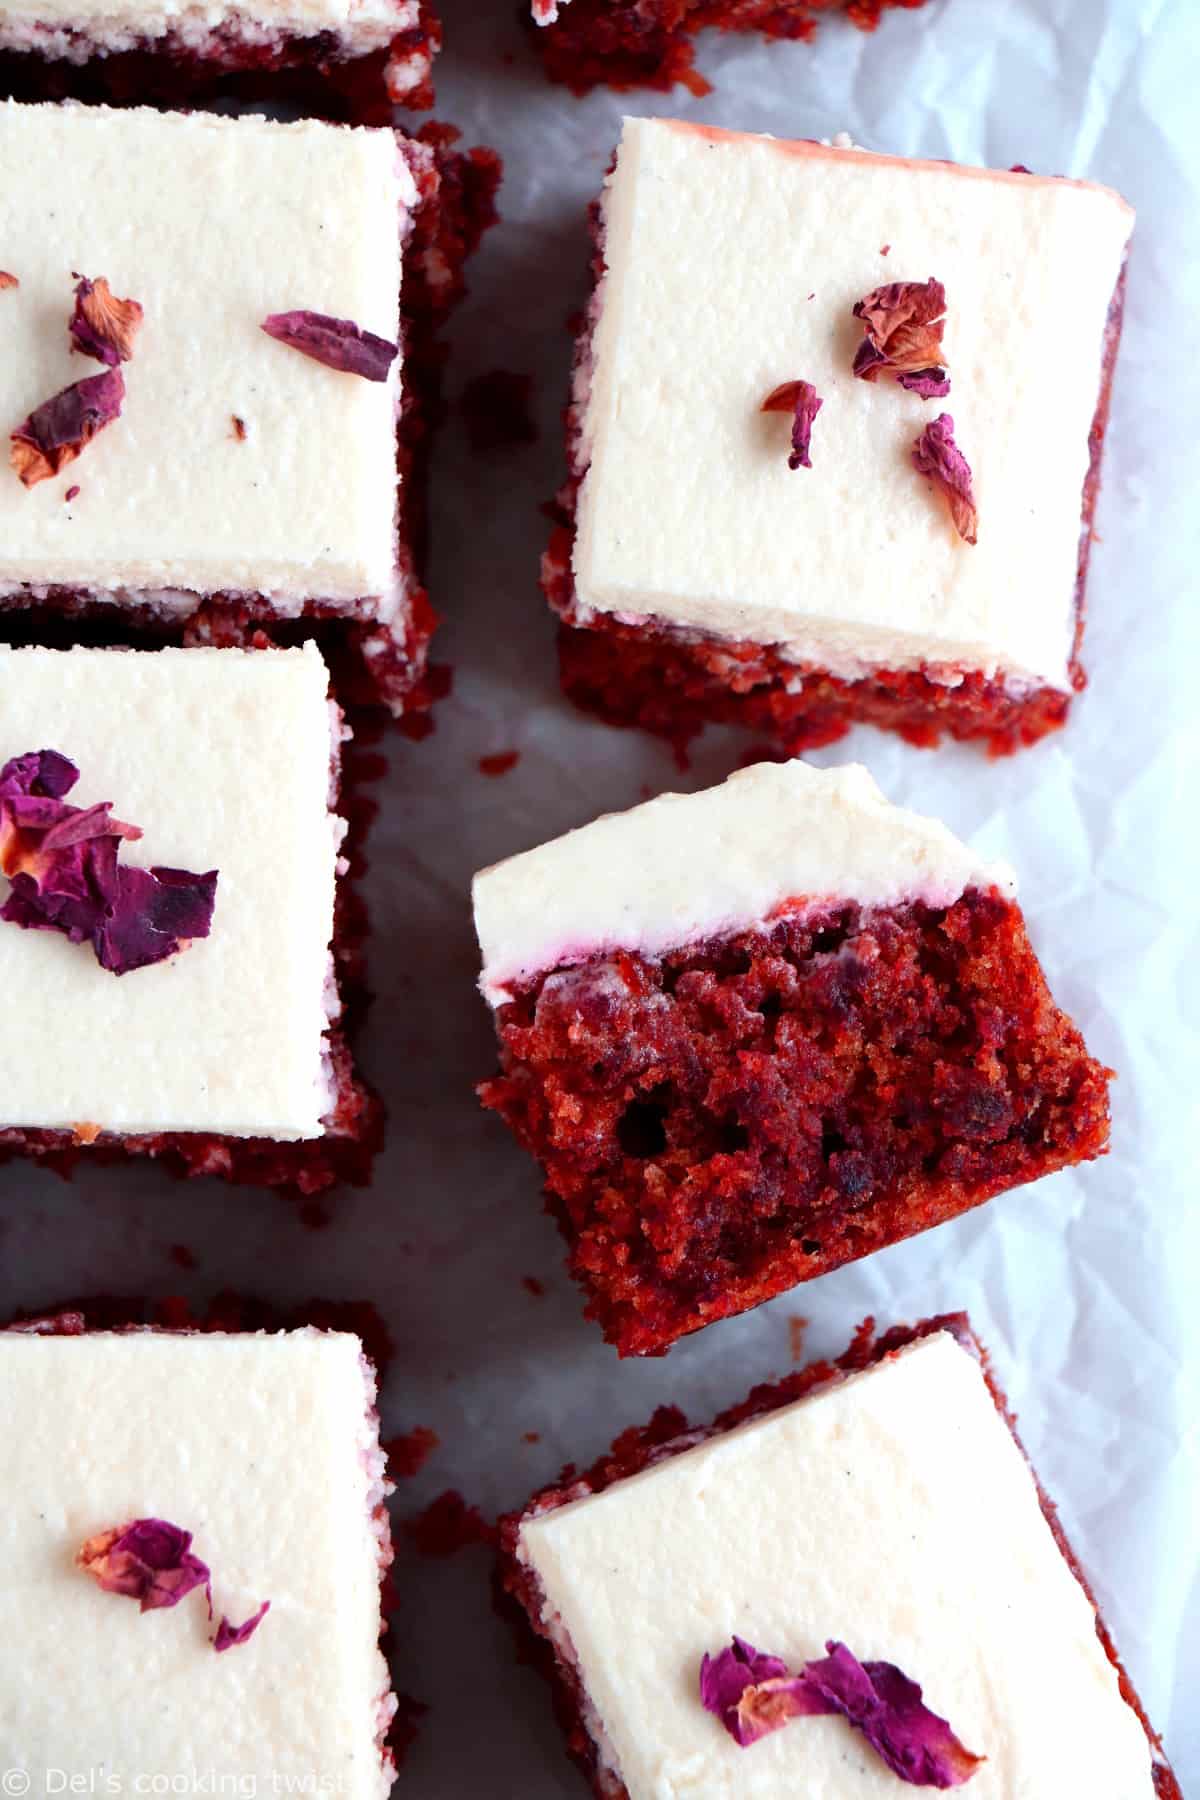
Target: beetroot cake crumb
{"x": 497, "y": 411}
{"x": 531, "y": 1437}
{"x": 239, "y": 428}
{"x": 500, "y": 763}
{"x": 408, "y": 1453}
{"x": 448, "y": 1525}
{"x": 533, "y": 1286}
{"x": 640, "y": 43}
{"x": 182, "y": 1257}
{"x": 72, "y": 493}
{"x": 797, "y": 1326}
{"x": 885, "y": 250}
{"x": 740, "y": 1115}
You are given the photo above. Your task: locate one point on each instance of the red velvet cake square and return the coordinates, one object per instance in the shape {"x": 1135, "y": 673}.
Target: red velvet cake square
{"x": 177, "y": 932}
{"x": 849, "y": 1585}
{"x": 648, "y": 43}
{"x": 199, "y": 1522}
{"x": 834, "y": 441}
{"x": 351, "y": 60}
{"x": 754, "y": 1033}
{"x": 221, "y": 380}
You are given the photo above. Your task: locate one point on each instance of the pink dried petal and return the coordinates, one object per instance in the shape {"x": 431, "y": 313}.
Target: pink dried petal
{"x": 338, "y": 343}
{"x": 753, "y": 1694}
{"x": 101, "y": 325}
{"x": 802, "y": 400}
{"x": 879, "y": 1700}
{"x": 230, "y": 1636}
{"x": 62, "y": 863}
{"x": 904, "y": 322}
{"x": 55, "y": 432}
{"x": 149, "y": 1561}
{"x": 936, "y": 455}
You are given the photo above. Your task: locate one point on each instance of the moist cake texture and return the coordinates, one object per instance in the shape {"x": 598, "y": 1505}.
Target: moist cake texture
{"x": 793, "y": 1025}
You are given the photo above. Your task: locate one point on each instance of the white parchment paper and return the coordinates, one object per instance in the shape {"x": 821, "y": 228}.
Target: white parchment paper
{"x": 1083, "y": 1285}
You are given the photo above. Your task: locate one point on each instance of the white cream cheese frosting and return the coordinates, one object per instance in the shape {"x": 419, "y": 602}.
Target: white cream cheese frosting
{"x": 222, "y": 757}
{"x": 733, "y": 263}
{"x": 79, "y": 28}
{"x": 894, "y": 1512}
{"x": 266, "y": 1449}
{"x": 686, "y": 866}
{"x": 210, "y": 224}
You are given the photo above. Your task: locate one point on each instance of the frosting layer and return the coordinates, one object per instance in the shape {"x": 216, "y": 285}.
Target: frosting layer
{"x": 733, "y": 265}
{"x": 222, "y": 757}
{"x": 685, "y": 866}
{"x": 893, "y": 1511}
{"x": 262, "y": 1446}
{"x": 211, "y": 224}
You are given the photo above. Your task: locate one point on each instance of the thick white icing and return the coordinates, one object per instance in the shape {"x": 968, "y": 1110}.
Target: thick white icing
{"x": 893, "y": 1512}
{"x": 265, "y": 1448}
{"x": 79, "y": 28}
{"x": 685, "y": 866}
{"x": 222, "y": 758}
{"x": 733, "y": 264}
{"x": 211, "y": 223}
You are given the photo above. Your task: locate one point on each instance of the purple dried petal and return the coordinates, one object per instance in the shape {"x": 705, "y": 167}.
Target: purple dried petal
{"x": 338, "y": 343}
{"x": 230, "y": 1636}
{"x": 42, "y": 772}
{"x": 931, "y": 384}
{"x": 62, "y": 863}
{"x": 936, "y": 455}
{"x": 101, "y": 325}
{"x": 879, "y": 1700}
{"x": 802, "y": 400}
{"x": 149, "y": 1561}
{"x": 55, "y": 432}
{"x": 154, "y": 913}
{"x": 904, "y": 322}
{"x": 753, "y": 1694}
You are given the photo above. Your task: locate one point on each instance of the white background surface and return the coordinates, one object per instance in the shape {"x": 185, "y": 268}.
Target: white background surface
{"x": 1084, "y": 1284}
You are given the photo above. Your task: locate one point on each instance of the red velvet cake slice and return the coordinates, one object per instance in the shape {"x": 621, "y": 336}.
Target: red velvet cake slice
{"x": 196, "y": 1533}
{"x": 849, "y": 1586}
{"x": 172, "y": 920}
{"x": 834, "y": 441}
{"x": 219, "y": 380}
{"x": 344, "y": 59}
{"x": 648, "y": 43}
{"x": 754, "y": 1033}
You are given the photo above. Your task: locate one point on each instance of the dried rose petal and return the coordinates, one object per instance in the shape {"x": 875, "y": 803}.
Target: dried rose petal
{"x": 62, "y": 863}
{"x": 936, "y": 455}
{"x": 879, "y": 1700}
{"x": 904, "y": 323}
{"x": 7, "y": 280}
{"x": 753, "y": 1694}
{"x": 230, "y": 1636}
{"x": 101, "y": 325}
{"x": 802, "y": 400}
{"x": 338, "y": 343}
{"x": 149, "y": 1561}
{"x": 54, "y": 434}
